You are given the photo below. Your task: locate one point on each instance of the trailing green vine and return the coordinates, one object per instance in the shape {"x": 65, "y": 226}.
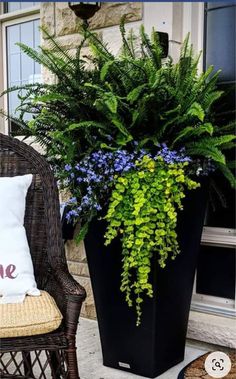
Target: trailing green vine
{"x": 143, "y": 212}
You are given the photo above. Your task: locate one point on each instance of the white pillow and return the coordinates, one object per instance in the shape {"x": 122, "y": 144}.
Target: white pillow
{"x": 16, "y": 268}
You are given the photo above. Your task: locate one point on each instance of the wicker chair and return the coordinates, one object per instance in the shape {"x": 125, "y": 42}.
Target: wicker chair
{"x": 53, "y": 354}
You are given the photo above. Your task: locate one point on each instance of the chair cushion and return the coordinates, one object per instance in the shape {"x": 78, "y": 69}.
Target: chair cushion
{"x": 36, "y": 315}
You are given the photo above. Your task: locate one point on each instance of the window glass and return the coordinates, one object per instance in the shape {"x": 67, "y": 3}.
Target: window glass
{"x": 20, "y": 68}
{"x": 27, "y": 4}
{"x": 216, "y": 272}
{"x": 16, "y": 6}
{"x": 221, "y": 207}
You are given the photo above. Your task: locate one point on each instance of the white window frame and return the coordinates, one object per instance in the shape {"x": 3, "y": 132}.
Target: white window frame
{"x": 216, "y": 237}
{"x": 193, "y": 22}
{"x": 8, "y": 19}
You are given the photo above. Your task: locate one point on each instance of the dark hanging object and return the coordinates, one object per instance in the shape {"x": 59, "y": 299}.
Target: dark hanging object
{"x": 164, "y": 42}
{"x": 85, "y": 10}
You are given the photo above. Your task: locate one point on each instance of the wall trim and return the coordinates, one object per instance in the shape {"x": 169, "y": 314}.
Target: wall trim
{"x": 212, "y": 329}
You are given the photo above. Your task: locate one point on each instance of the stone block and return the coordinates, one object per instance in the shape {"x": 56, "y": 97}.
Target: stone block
{"x": 75, "y": 252}
{"x": 47, "y": 16}
{"x": 64, "y": 195}
{"x": 48, "y": 77}
{"x": 88, "y": 308}
{"x": 66, "y": 20}
{"x": 111, "y": 13}
{"x": 78, "y": 268}
{"x": 212, "y": 329}
{"x": 68, "y": 42}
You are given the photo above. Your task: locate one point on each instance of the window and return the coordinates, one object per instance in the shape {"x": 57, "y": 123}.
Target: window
{"x": 214, "y": 289}
{"x": 18, "y": 68}
{"x": 16, "y": 6}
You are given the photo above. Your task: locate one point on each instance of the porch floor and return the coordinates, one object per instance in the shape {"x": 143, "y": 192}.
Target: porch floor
{"x": 90, "y": 356}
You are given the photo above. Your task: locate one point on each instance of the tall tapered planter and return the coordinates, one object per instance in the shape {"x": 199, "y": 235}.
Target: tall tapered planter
{"x": 159, "y": 342}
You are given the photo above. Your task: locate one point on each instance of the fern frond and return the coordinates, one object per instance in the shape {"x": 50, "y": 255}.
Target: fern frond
{"x": 135, "y": 93}
{"x": 54, "y": 45}
{"x": 86, "y": 124}
{"x": 34, "y": 86}
{"x": 206, "y": 151}
{"x": 210, "y": 98}
{"x": 37, "y": 56}
{"x": 52, "y": 97}
{"x": 126, "y": 50}
{"x": 131, "y": 95}
{"x": 227, "y": 173}
{"x": 156, "y": 48}
{"x": 228, "y": 128}
{"x": 152, "y": 49}
{"x": 217, "y": 141}
{"x": 105, "y": 69}
{"x": 196, "y": 111}
{"x": 228, "y": 146}
{"x": 192, "y": 131}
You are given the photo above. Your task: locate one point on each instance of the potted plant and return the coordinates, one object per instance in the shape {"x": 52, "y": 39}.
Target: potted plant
{"x": 134, "y": 140}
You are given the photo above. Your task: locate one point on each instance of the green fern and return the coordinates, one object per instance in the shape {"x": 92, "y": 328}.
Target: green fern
{"x": 206, "y": 151}
{"x": 191, "y": 131}
{"x": 196, "y": 111}
{"x": 227, "y": 173}
{"x": 115, "y": 100}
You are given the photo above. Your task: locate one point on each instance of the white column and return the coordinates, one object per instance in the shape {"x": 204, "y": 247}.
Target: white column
{"x": 165, "y": 17}
{"x": 193, "y": 22}
{"x": 159, "y": 16}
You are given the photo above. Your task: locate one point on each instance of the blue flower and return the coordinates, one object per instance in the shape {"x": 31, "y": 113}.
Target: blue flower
{"x": 68, "y": 167}
{"x": 72, "y": 200}
{"x": 172, "y": 156}
{"x": 71, "y": 214}
{"x": 98, "y": 207}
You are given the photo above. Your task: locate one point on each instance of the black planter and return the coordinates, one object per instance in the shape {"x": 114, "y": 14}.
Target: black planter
{"x": 159, "y": 342}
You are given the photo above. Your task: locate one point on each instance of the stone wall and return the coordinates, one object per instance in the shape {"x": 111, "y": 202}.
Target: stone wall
{"x": 62, "y": 23}
{"x": 78, "y": 267}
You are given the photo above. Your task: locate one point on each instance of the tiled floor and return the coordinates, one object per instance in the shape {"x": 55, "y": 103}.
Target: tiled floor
{"x": 90, "y": 356}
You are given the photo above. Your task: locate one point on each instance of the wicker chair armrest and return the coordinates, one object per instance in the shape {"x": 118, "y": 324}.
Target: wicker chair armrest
{"x": 68, "y": 284}
{"x": 74, "y": 295}
{"x": 69, "y": 296}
